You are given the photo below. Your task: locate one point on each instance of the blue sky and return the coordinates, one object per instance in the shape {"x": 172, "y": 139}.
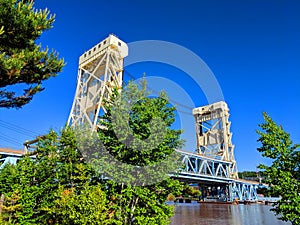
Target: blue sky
{"x": 252, "y": 47}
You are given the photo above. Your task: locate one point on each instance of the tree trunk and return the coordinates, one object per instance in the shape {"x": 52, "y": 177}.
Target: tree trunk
{"x": 1, "y": 203}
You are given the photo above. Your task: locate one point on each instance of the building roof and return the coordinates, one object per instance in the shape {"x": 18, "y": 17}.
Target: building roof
{"x": 11, "y": 151}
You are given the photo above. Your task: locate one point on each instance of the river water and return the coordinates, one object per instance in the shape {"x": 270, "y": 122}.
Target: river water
{"x": 217, "y": 214}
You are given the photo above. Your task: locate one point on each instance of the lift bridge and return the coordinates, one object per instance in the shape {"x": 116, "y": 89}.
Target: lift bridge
{"x": 101, "y": 70}
{"x": 213, "y": 164}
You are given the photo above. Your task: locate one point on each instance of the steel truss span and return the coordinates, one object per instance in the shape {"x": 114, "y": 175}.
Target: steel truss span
{"x": 204, "y": 166}
{"x": 201, "y": 169}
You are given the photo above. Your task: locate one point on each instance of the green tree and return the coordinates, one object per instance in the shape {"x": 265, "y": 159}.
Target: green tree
{"x": 88, "y": 207}
{"x": 137, "y": 152}
{"x": 22, "y": 60}
{"x": 57, "y": 165}
{"x": 189, "y": 191}
{"x": 8, "y": 177}
{"x": 283, "y": 175}
{"x": 60, "y": 185}
{"x": 20, "y": 194}
{"x": 246, "y": 174}
{"x": 10, "y": 208}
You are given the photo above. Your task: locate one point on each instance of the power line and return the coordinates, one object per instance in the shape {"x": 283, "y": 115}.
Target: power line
{"x": 17, "y": 129}
{"x": 17, "y": 126}
{"x": 171, "y": 100}
{"x": 9, "y": 139}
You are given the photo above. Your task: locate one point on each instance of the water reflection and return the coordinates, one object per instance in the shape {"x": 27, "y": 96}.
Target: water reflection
{"x": 214, "y": 214}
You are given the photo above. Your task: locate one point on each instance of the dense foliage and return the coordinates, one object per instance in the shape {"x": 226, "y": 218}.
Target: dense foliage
{"x": 36, "y": 189}
{"x": 22, "y": 60}
{"x": 191, "y": 192}
{"x": 252, "y": 175}
{"x": 60, "y": 184}
{"x": 246, "y": 174}
{"x": 137, "y": 133}
{"x": 84, "y": 208}
{"x": 283, "y": 174}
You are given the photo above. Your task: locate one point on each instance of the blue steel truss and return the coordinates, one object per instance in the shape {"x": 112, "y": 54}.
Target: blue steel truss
{"x": 204, "y": 166}
{"x": 199, "y": 169}
{"x": 244, "y": 191}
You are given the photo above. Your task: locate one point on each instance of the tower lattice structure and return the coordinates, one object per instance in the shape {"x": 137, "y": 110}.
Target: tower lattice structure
{"x": 100, "y": 70}
{"x": 213, "y": 134}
